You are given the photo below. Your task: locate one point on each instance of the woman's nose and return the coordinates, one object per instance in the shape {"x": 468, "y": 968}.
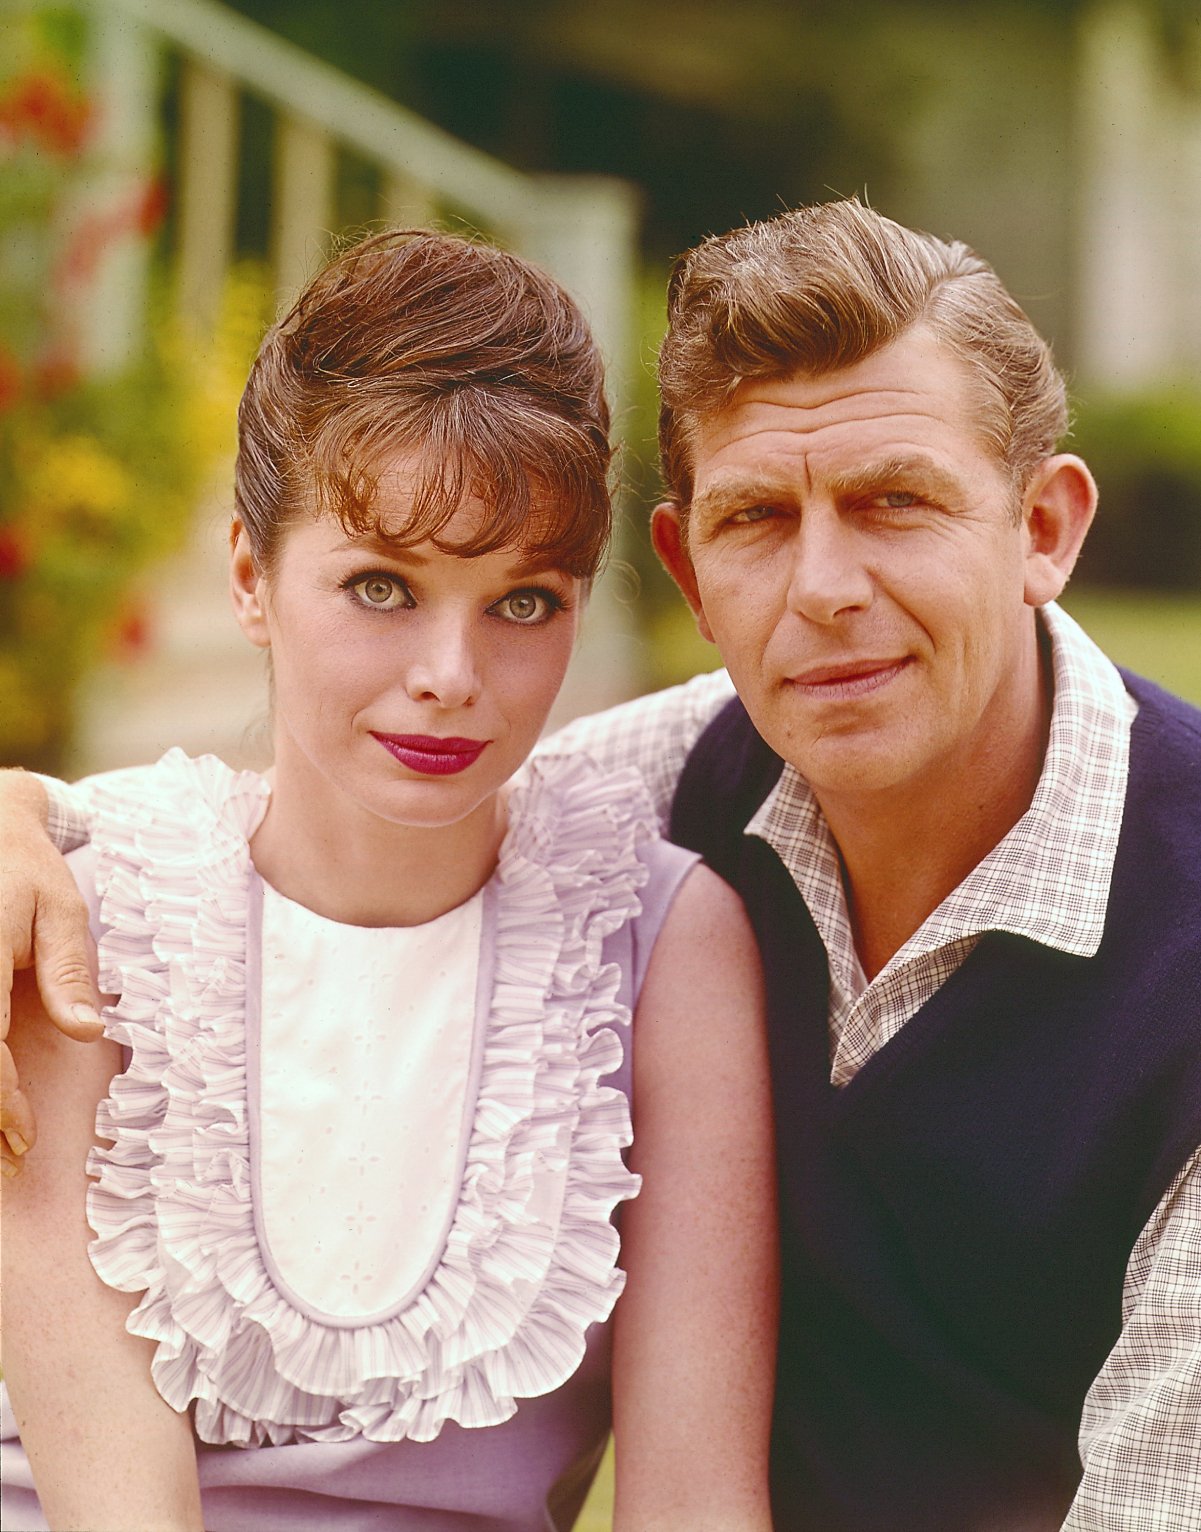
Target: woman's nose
{"x": 446, "y": 668}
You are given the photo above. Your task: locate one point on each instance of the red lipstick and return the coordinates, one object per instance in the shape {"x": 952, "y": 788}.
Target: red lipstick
{"x": 431, "y": 754}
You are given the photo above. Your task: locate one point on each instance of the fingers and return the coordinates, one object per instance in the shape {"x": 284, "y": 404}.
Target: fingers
{"x": 16, "y": 1116}
{"x": 64, "y": 958}
{"x": 6, "y": 986}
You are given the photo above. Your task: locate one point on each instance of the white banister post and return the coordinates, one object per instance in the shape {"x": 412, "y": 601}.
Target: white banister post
{"x": 1185, "y": 147}
{"x": 207, "y": 190}
{"x": 584, "y": 231}
{"x": 302, "y": 202}
{"x": 110, "y": 316}
{"x": 405, "y": 202}
{"x": 1124, "y": 324}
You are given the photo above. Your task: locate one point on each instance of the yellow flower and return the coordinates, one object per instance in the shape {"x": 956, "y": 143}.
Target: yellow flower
{"x": 74, "y": 475}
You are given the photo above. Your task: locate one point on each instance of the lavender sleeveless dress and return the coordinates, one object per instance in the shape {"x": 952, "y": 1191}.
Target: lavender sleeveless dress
{"x": 407, "y": 1330}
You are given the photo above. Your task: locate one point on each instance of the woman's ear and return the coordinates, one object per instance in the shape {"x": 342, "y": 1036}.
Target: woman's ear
{"x": 246, "y": 588}
{"x": 1057, "y": 511}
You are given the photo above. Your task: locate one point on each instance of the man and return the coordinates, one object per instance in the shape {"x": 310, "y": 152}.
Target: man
{"x": 972, "y": 854}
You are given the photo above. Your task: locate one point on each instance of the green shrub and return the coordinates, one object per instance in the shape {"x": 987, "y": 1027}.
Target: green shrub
{"x": 1145, "y": 450}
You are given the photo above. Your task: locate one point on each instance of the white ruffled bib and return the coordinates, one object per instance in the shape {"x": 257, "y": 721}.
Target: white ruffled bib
{"x": 529, "y": 1259}
{"x": 360, "y": 1079}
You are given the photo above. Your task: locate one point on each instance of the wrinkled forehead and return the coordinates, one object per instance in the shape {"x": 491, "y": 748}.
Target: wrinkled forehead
{"x": 912, "y": 396}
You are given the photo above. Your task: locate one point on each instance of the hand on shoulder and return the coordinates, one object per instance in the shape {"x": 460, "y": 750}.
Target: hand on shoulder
{"x": 44, "y": 925}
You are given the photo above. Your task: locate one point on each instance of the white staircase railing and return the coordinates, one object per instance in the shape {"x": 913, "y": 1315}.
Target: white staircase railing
{"x": 582, "y": 229}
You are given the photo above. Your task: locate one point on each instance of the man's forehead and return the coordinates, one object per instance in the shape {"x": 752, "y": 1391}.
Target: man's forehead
{"x": 900, "y": 374}
{"x": 908, "y": 401}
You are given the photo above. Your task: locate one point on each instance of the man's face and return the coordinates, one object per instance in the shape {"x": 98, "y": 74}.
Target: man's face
{"x": 858, "y": 557}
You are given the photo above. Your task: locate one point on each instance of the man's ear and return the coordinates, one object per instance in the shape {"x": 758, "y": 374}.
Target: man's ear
{"x": 668, "y": 537}
{"x": 1057, "y": 511}
{"x": 246, "y": 587}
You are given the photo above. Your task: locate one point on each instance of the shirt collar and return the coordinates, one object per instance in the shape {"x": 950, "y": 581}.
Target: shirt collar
{"x": 1049, "y": 878}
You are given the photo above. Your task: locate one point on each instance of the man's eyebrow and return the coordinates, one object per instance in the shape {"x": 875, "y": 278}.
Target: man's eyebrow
{"x": 736, "y": 491}
{"x": 879, "y": 473}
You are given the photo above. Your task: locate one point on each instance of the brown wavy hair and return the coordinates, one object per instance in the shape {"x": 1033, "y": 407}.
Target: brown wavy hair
{"x": 474, "y": 361}
{"x": 821, "y": 288}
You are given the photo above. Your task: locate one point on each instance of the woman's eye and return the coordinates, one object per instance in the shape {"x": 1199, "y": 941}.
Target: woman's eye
{"x": 526, "y": 607}
{"x": 381, "y": 592}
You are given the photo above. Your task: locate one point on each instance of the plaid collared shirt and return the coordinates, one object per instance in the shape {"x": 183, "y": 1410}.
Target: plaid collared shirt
{"x": 1048, "y": 879}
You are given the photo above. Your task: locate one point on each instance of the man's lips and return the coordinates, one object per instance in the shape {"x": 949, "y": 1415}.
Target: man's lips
{"x": 432, "y": 754}
{"x": 848, "y": 679}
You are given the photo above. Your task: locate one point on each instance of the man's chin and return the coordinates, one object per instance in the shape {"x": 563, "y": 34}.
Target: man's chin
{"x": 852, "y": 764}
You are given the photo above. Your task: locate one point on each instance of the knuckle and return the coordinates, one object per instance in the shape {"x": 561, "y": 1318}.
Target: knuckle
{"x": 68, "y": 973}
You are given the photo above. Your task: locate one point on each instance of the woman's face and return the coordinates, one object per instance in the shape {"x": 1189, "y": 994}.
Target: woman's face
{"x": 408, "y": 681}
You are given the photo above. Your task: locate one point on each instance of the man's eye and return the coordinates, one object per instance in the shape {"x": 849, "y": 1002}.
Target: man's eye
{"x": 526, "y": 607}
{"x": 381, "y": 592}
{"x": 752, "y": 513}
{"x": 897, "y": 500}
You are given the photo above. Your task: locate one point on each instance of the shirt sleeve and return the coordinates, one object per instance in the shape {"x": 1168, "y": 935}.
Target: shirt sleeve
{"x": 69, "y": 806}
{"x": 67, "y": 817}
{"x": 653, "y": 734}
{"x": 1141, "y": 1425}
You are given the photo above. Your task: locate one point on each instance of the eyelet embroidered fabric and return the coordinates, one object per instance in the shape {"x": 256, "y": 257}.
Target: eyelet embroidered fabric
{"x": 530, "y": 1260}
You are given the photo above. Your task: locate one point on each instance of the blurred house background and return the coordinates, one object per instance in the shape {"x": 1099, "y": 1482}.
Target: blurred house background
{"x": 173, "y": 168}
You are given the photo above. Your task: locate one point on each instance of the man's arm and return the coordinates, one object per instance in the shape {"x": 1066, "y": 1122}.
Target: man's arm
{"x": 653, "y": 734}
{"x": 43, "y": 924}
{"x": 1140, "y": 1436}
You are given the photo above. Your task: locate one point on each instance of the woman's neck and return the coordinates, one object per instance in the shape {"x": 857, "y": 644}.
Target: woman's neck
{"x": 354, "y": 867}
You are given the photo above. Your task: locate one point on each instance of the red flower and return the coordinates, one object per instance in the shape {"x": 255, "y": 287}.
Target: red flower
{"x": 43, "y": 107}
{"x": 10, "y": 380}
{"x": 152, "y": 208}
{"x": 134, "y": 634}
{"x": 138, "y": 213}
{"x": 14, "y": 556}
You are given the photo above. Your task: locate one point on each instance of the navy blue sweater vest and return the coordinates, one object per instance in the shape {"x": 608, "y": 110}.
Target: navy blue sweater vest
{"x": 956, "y": 1221}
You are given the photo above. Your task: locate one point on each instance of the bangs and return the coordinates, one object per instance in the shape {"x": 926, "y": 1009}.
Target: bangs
{"x": 537, "y": 480}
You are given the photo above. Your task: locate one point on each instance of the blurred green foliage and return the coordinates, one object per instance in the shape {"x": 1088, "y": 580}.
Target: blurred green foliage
{"x": 1154, "y": 633}
{"x": 1145, "y": 451}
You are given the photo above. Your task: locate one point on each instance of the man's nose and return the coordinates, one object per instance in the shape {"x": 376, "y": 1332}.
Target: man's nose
{"x": 446, "y": 668}
{"x": 828, "y": 576}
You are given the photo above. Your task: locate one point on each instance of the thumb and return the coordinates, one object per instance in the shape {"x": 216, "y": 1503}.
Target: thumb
{"x": 64, "y": 957}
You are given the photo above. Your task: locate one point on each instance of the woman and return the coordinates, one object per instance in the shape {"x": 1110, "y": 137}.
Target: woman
{"x": 375, "y": 1014}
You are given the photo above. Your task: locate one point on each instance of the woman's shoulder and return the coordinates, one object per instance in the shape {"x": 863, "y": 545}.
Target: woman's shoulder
{"x": 175, "y": 780}
{"x": 158, "y": 814}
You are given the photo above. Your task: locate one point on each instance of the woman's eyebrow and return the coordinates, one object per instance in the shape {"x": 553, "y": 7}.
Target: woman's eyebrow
{"x": 376, "y": 542}
{"x": 524, "y": 567}
{"x": 536, "y": 564}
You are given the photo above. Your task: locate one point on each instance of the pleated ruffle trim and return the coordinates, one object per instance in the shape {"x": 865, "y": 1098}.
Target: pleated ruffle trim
{"x": 530, "y": 1260}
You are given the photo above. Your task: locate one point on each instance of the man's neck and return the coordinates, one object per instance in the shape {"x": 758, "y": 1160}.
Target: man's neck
{"x": 903, "y": 852}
